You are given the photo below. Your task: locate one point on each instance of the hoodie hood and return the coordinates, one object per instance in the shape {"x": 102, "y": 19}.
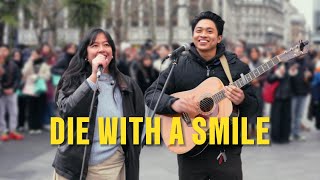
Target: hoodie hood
{"x": 215, "y": 60}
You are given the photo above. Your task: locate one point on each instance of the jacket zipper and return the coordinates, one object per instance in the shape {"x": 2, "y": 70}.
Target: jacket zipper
{"x": 208, "y": 71}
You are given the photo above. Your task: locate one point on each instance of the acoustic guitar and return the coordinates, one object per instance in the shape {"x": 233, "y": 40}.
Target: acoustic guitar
{"x": 212, "y": 102}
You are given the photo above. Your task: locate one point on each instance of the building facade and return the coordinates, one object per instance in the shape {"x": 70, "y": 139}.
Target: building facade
{"x": 258, "y": 22}
{"x": 316, "y": 24}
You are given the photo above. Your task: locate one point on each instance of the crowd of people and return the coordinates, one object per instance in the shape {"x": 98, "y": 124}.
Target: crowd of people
{"x": 29, "y": 77}
{"x": 284, "y": 90}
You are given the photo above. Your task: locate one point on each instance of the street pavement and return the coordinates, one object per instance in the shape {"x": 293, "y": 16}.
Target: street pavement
{"x": 31, "y": 159}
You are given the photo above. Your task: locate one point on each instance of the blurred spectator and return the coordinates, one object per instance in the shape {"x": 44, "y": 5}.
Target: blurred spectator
{"x": 47, "y": 54}
{"x": 122, "y": 62}
{"x": 131, "y": 57}
{"x": 163, "y": 51}
{"x": 254, "y": 62}
{"x": 314, "y": 110}
{"x": 17, "y": 58}
{"x": 9, "y": 80}
{"x": 300, "y": 86}
{"x": 35, "y": 69}
{"x": 49, "y": 57}
{"x": 280, "y": 113}
{"x": 147, "y": 48}
{"x": 63, "y": 62}
{"x": 240, "y": 51}
{"x": 175, "y": 46}
{"x": 146, "y": 73}
{"x": 267, "y": 55}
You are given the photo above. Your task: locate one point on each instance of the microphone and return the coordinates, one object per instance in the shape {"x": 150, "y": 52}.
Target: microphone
{"x": 178, "y": 51}
{"x": 112, "y": 83}
{"x": 100, "y": 69}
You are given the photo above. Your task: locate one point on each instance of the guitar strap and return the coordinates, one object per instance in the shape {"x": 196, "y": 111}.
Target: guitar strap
{"x": 222, "y": 157}
{"x": 226, "y": 68}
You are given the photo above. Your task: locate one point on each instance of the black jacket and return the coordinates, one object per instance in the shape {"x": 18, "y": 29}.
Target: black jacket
{"x": 62, "y": 64}
{"x": 284, "y": 90}
{"x": 191, "y": 70}
{"x": 68, "y": 158}
{"x": 146, "y": 76}
{"x": 11, "y": 77}
{"x": 300, "y": 86}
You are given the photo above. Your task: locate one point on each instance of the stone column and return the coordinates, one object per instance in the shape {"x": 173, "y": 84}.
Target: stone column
{"x": 5, "y": 38}
{"x": 21, "y": 18}
{"x": 215, "y": 6}
{"x": 200, "y": 5}
{"x": 31, "y": 24}
{"x": 113, "y": 6}
{"x": 167, "y": 13}
{"x": 183, "y": 15}
{"x": 140, "y": 16}
{"x": 184, "y": 33}
{"x": 130, "y": 10}
{"x": 65, "y": 18}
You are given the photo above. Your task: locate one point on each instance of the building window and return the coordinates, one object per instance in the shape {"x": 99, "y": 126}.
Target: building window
{"x": 147, "y": 15}
{"x": 174, "y": 12}
{"x": 160, "y": 13}
{"x": 134, "y": 13}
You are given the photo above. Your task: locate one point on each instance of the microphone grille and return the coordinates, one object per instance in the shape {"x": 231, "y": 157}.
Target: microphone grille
{"x": 112, "y": 83}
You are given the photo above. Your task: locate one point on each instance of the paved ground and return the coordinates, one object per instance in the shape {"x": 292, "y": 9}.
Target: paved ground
{"x": 32, "y": 158}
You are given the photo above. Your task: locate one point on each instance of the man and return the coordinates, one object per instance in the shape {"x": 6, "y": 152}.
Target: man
{"x": 200, "y": 63}
{"x": 9, "y": 81}
{"x": 300, "y": 89}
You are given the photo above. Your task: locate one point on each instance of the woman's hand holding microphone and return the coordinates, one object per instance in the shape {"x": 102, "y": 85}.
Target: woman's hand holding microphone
{"x": 96, "y": 62}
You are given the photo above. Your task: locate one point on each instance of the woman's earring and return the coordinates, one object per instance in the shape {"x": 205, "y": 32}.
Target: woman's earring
{"x": 86, "y": 59}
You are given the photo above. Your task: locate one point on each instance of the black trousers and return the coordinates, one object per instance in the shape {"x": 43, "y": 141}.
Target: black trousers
{"x": 206, "y": 166}
{"x": 36, "y": 108}
{"x": 281, "y": 121}
{"x": 22, "y": 103}
{"x": 317, "y": 113}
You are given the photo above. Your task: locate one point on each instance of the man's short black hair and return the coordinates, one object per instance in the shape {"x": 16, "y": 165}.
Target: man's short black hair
{"x": 211, "y": 16}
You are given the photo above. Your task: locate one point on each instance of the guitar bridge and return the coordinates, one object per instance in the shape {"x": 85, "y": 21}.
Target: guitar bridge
{"x": 186, "y": 119}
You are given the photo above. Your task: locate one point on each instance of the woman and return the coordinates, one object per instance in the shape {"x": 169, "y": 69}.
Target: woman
{"x": 62, "y": 64}
{"x": 146, "y": 73}
{"x": 22, "y": 100}
{"x": 34, "y": 71}
{"x": 117, "y": 96}
{"x": 280, "y": 116}
{"x": 255, "y": 62}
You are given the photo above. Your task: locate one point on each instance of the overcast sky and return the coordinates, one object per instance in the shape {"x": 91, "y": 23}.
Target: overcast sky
{"x": 305, "y": 8}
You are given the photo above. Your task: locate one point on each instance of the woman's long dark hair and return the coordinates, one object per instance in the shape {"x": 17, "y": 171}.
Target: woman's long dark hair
{"x": 79, "y": 67}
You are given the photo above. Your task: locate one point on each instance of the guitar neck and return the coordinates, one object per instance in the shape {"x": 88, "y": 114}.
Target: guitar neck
{"x": 296, "y": 51}
{"x": 245, "y": 79}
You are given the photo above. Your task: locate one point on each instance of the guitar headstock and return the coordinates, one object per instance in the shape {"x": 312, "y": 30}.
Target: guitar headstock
{"x": 296, "y": 51}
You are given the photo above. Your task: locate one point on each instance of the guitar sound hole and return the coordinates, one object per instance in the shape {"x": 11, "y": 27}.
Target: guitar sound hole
{"x": 206, "y": 104}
